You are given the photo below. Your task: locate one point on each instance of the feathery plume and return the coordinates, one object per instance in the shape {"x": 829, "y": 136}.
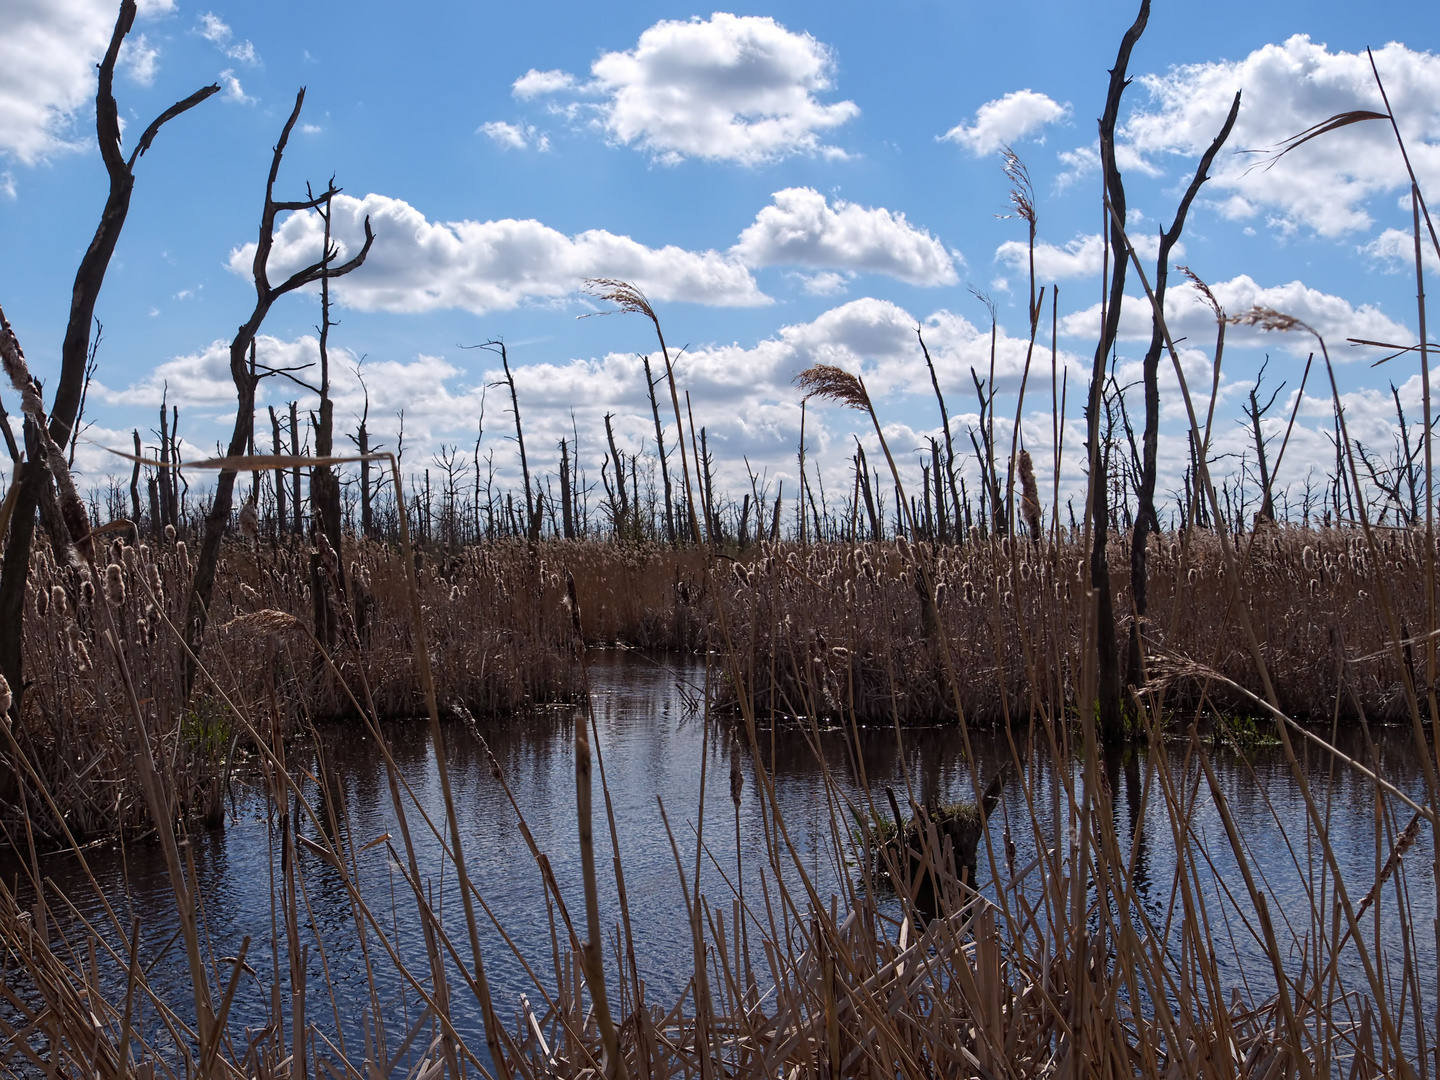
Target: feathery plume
{"x": 834, "y": 384}
{"x": 1029, "y": 495}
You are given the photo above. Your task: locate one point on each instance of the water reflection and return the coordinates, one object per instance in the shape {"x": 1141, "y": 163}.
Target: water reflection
{"x": 653, "y": 746}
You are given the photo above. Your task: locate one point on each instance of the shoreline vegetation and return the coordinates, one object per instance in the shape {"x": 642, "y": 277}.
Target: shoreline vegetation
{"x": 836, "y": 631}
{"x": 142, "y": 643}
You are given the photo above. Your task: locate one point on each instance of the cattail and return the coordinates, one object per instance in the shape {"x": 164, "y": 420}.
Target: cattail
{"x": 87, "y": 590}
{"x": 7, "y": 699}
{"x": 78, "y": 649}
{"x": 58, "y": 602}
{"x": 1402, "y": 845}
{"x": 114, "y": 585}
{"x": 170, "y": 533}
{"x": 1029, "y": 495}
{"x": 737, "y": 778}
{"x": 42, "y": 602}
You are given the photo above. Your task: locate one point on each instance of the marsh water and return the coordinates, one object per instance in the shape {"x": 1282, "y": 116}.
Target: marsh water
{"x": 656, "y": 748}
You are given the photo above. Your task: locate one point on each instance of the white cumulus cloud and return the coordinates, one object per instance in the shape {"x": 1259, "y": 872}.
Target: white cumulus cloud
{"x": 801, "y": 229}
{"x": 420, "y": 265}
{"x": 534, "y": 83}
{"x": 1005, "y": 120}
{"x": 727, "y": 88}
{"x": 822, "y": 282}
{"x": 48, "y": 53}
{"x": 1326, "y": 183}
{"x": 1186, "y": 316}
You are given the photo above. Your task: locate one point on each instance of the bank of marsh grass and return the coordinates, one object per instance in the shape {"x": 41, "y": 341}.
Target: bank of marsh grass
{"x": 837, "y": 630}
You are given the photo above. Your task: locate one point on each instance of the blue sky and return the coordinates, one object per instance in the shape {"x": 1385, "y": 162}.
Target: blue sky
{"x": 779, "y": 179}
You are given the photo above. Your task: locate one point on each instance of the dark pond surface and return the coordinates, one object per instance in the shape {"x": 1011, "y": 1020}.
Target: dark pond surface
{"x": 655, "y": 743}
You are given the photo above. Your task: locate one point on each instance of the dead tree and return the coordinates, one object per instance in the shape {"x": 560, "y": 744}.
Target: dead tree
{"x": 660, "y": 452}
{"x": 532, "y": 514}
{"x": 266, "y": 295}
{"x": 297, "y": 526}
{"x": 1146, "y": 521}
{"x": 75, "y": 350}
{"x": 1110, "y": 711}
{"x": 945, "y": 422}
{"x": 282, "y": 521}
{"x": 361, "y": 439}
{"x": 324, "y": 484}
{"x": 566, "y": 511}
{"x": 1255, "y": 413}
{"x": 619, "y": 500}
{"x": 135, "y": 481}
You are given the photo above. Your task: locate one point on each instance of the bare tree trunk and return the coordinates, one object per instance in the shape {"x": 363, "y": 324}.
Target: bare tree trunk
{"x": 660, "y": 450}
{"x": 167, "y": 487}
{"x": 324, "y": 485}
{"x": 945, "y": 422}
{"x": 197, "y": 615}
{"x": 1110, "y": 711}
{"x": 567, "y": 512}
{"x": 282, "y": 522}
{"x": 862, "y": 472}
{"x": 1145, "y": 519}
{"x": 135, "y": 482}
{"x": 297, "y": 527}
{"x": 362, "y": 443}
{"x": 707, "y": 479}
{"x": 75, "y": 350}
{"x": 620, "y": 504}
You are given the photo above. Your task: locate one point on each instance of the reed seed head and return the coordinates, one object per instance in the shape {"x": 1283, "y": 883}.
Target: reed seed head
{"x": 834, "y": 384}
{"x": 250, "y": 520}
{"x": 1267, "y": 319}
{"x": 114, "y": 585}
